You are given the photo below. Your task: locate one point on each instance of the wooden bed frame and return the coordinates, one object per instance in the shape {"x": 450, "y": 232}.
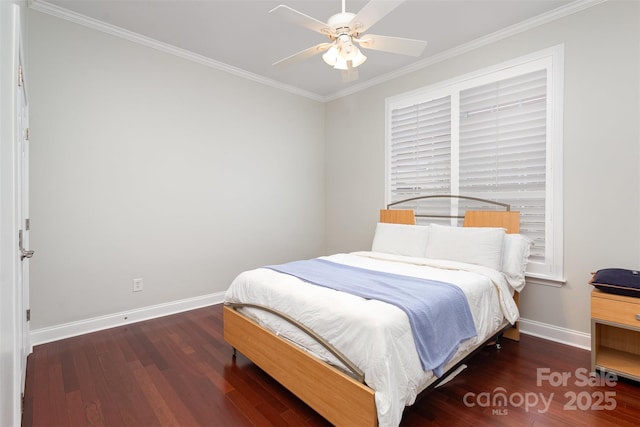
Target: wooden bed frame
{"x": 334, "y": 394}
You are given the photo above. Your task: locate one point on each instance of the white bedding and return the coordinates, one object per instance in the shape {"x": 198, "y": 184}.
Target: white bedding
{"x": 374, "y": 335}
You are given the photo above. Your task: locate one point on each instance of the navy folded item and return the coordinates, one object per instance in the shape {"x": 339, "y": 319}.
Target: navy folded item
{"x": 619, "y": 281}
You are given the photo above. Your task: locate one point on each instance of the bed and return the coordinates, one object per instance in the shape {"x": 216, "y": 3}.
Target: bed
{"x": 357, "y": 360}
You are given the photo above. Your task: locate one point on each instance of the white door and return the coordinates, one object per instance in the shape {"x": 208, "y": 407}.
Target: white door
{"x": 14, "y": 186}
{"x": 22, "y": 192}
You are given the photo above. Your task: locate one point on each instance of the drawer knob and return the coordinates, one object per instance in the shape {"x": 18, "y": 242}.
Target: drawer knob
{"x": 637, "y": 316}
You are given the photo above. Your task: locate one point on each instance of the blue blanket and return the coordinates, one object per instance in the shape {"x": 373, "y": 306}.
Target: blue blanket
{"x": 438, "y": 312}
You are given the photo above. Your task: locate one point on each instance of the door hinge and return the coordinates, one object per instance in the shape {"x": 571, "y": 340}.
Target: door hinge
{"x": 22, "y": 403}
{"x": 27, "y": 224}
{"x": 26, "y": 134}
{"x": 28, "y": 314}
{"x": 20, "y": 81}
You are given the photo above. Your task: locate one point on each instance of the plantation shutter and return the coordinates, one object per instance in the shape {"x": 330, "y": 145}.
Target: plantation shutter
{"x": 420, "y": 151}
{"x": 502, "y": 148}
{"x": 492, "y": 134}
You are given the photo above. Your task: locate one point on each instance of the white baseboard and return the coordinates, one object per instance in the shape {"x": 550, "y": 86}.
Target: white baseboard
{"x": 555, "y": 333}
{"x": 72, "y": 329}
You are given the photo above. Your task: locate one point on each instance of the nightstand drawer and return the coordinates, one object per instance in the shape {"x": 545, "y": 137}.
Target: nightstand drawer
{"x": 616, "y": 310}
{"x": 615, "y": 334}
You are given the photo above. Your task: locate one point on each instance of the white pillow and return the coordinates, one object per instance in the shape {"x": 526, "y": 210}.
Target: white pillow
{"x": 400, "y": 239}
{"x": 473, "y": 245}
{"x": 514, "y": 259}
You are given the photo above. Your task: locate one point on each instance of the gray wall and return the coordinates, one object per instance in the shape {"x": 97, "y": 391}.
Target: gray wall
{"x": 147, "y": 165}
{"x": 601, "y": 151}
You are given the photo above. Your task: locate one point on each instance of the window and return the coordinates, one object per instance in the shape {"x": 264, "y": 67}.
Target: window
{"x": 495, "y": 134}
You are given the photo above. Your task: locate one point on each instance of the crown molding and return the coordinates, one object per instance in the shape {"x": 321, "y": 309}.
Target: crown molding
{"x": 561, "y": 12}
{"x": 59, "y": 12}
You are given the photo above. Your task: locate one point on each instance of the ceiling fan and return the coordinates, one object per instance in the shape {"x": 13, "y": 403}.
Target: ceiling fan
{"x": 345, "y": 32}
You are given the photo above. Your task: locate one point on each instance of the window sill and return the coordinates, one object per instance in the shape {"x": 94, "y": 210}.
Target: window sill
{"x": 546, "y": 281}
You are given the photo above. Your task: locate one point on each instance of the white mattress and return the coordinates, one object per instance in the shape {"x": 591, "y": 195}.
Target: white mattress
{"x": 374, "y": 335}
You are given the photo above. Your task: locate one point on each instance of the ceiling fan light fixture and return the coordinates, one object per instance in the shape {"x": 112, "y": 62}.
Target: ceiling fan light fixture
{"x": 331, "y": 56}
{"x": 359, "y": 59}
{"x": 348, "y": 50}
{"x": 341, "y": 63}
{"x": 339, "y": 55}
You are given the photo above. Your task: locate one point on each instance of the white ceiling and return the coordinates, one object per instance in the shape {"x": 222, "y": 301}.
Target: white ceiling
{"x": 243, "y": 35}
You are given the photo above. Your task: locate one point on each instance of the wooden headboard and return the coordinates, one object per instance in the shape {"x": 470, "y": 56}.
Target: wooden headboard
{"x": 508, "y": 220}
{"x": 398, "y": 216}
{"x": 504, "y": 218}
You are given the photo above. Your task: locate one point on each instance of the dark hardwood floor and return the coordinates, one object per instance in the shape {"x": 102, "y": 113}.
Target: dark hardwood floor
{"x": 178, "y": 371}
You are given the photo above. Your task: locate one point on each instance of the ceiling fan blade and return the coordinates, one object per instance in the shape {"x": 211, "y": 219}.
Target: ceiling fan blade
{"x": 303, "y": 54}
{"x": 399, "y": 45}
{"x": 350, "y": 74}
{"x": 372, "y": 12}
{"x": 300, "y": 18}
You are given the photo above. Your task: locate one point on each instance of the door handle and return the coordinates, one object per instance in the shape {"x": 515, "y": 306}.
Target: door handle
{"x": 23, "y": 252}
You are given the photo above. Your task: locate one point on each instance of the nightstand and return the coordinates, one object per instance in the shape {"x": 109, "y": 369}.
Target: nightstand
{"x": 615, "y": 334}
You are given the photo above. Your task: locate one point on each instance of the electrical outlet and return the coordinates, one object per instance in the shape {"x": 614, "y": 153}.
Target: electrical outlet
{"x": 138, "y": 285}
